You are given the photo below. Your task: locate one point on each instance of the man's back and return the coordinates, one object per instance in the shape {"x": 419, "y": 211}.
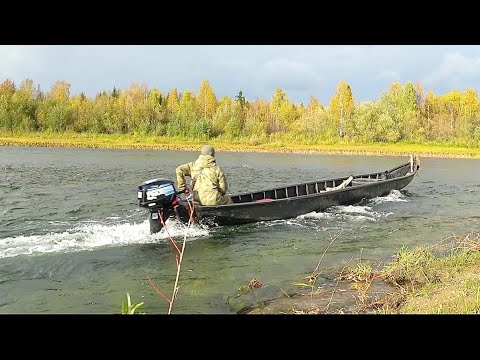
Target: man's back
{"x": 209, "y": 184}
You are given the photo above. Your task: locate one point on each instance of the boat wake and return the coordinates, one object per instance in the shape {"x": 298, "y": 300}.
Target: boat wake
{"x": 370, "y": 210}
{"x": 349, "y": 213}
{"x": 394, "y": 196}
{"x": 364, "y": 212}
{"x": 92, "y": 236}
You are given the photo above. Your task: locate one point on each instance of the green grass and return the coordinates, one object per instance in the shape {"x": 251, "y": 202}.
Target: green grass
{"x": 441, "y": 279}
{"x": 138, "y": 141}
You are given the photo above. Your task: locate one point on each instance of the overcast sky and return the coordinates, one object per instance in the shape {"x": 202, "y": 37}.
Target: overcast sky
{"x": 301, "y": 71}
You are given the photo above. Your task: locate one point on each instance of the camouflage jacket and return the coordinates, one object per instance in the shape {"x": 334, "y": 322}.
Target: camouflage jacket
{"x": 210, "y": 185}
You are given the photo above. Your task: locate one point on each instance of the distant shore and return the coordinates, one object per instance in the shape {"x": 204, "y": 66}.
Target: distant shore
{"x": 152, "y": 143}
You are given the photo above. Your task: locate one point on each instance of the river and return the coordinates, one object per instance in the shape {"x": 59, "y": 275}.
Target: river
{"x": 73, "y": 239}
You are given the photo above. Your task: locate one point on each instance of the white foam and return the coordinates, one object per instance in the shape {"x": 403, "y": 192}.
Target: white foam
{"x": 91, "y": 236}
{"x": 357, "y": 212}
{"x": 292, "y": 222}
{"x": 395, "y": 195}
{"x": 316, "y": 215}
{"x": 354, "y": 209}
{"x": 349, "y": 212}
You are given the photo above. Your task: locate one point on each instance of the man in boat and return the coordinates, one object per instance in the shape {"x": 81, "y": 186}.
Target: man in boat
{"x": 208, "y": 182}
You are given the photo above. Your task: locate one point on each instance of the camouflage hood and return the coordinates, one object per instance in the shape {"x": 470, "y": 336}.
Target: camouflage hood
{"x": 205, "y": 161}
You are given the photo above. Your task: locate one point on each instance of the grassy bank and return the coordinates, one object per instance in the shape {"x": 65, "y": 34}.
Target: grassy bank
{"x": 165, "y": 143}
{"x": 443, "y": 278}
{"x": 440, "y": 279}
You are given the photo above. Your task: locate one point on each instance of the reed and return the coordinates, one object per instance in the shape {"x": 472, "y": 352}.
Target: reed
{"x": 128, "y": 308}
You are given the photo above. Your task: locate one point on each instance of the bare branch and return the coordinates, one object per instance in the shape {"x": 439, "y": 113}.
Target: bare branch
{"x": 333, "y": 239}
{"x": 158, "y": 290}
{"x": 336, "y": 284}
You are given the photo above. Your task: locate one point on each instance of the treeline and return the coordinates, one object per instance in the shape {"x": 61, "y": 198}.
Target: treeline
{"x": 402, "y": 113}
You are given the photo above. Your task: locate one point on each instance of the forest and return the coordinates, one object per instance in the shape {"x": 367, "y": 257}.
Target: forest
{"x": 402, "y": 114}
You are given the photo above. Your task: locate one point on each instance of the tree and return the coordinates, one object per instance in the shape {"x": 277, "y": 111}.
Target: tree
{"x": 342, "y": 106}
{"x": 429, "y": 104}
{"x": 256, "y": 115}
{"x": 467, "y": 118}
{"x": 187, "y": 105}
{"x": 410, "y": 114}
{"x": 107, "y": 115}
{"x": 24, "y": 106}
{"x": 409, "y": 99}
{"x": 60, "y": 91}
{"x": 172, "y": 102}
{"x": 241, "y": 99}
{"x": 375, "y": 122}
{"x": 471, "y": 103}
{"x": 311, "y": 124}
{"x": 313, "y": 104}
{"x": 184, "y": 121}
{"x": 54, "y": 112}
{"x": 134, "y": 100}
{"x": 156, "y": 112}
{"x": 300, "y": 110}
{"x": 81, "y": 109}
{"x": 206, "y": 101}
{"x": 420, "y": 94}
{"x": 7, "y": 88}
{"x": 5, "y": 118}
{"x": 282, "y": 112}
{"x": 229, "y": 118}
{"x": 452, "y": 102}
{"x": 394, "y": 95}
{"x": 395, "y": 90}
{"x": 222, "y": 115}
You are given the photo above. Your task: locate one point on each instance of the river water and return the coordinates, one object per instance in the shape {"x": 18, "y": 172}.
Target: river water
{"x": 73, "y": 239}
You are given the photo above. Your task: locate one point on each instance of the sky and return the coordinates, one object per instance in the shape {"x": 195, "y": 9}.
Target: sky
{"x": 301, "y": 71}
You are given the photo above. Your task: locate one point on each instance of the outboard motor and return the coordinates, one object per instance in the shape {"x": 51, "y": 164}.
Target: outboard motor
{"x": 160, "y": 197}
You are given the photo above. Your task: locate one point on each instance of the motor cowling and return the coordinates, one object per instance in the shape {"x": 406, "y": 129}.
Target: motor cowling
{"x": 156, "y": 193}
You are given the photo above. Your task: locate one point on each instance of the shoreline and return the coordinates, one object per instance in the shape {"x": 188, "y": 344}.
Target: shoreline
{"x": 132, "y": 144}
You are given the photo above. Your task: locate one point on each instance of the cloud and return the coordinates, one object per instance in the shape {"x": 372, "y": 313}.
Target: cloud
{"x": 301, "y": 71}
{"x": 290, "y": 74}
{"x": 44, "y": 65}
{"x": 15, "y": 60}
{"x": 455, "y": 71}
{"x": 388, "y": 75}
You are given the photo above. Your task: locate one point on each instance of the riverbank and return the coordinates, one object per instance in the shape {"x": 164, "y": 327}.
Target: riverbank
{"x": 440, "y": 279}
{"x": 137, "y": 142}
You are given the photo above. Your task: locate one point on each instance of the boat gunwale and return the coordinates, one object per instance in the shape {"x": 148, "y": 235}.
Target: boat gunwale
{"x": 318, "y": 194}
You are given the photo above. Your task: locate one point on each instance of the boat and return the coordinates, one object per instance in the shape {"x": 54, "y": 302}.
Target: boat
{"x": 163, "y": 201}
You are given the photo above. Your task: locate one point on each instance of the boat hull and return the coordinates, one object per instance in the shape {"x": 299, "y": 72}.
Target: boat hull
{"x": 244, "y": 213}
{"x": 292, "y": 201}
